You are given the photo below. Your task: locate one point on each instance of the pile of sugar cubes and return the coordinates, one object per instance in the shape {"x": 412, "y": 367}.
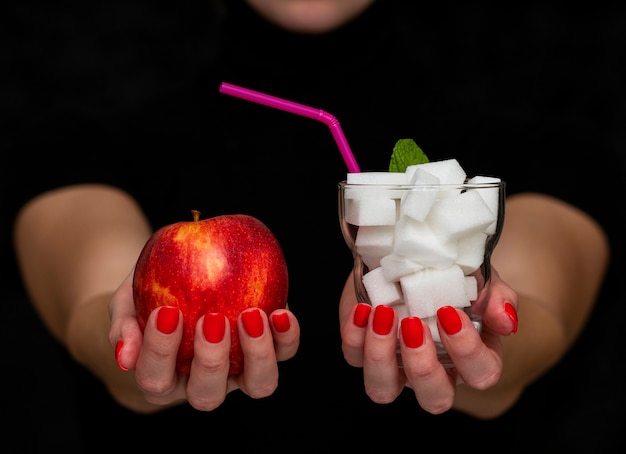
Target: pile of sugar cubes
{"x": 421, "y": 246}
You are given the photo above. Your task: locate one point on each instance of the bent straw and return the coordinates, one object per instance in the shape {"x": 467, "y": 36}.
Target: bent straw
{"x": 299, "y": 109}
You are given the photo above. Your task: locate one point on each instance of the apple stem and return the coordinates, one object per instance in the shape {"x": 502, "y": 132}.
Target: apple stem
{"x": 196, "y": 215}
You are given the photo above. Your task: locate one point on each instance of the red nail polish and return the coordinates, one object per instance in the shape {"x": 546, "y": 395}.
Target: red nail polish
{"x": 252, "y": 322}
{"x": 383, "y": 319}
{"x": 412, "y": 331}
{"x": 214, "y": 327}
{"x": 281, "y": 322}
{"x": 118, "y": 352}
{"x": 167, "y": 319}
{"x": 362, "y": 315}
{"x": 512, "y": 313}
{"x": 449, "y": 319}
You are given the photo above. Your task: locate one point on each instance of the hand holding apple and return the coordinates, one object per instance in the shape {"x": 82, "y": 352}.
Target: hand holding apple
{"x": 223, "y": 264}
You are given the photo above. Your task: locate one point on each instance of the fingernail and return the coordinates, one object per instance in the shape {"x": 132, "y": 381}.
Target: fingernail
{"x": 252, "y": 322}
{"x": 214, "y": 327}
{"x": 512, "y": 313}
{"x": 362, "y": 315}
{"x": 167, "y": 319}
{"x": 281, "y": 322}
{"x": 412, "y": 331}
{"x": 118, "y": 353}
{"x": 383, "y": 319}
{"x": 449, "y": 319}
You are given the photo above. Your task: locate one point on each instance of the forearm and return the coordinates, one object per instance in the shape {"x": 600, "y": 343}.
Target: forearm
{"x": 555, "y": 257}
{"x": 75, "y": 246}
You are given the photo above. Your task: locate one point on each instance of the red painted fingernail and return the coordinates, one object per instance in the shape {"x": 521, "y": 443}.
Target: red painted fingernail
{"x": 449, "y": 319}
{"x": 362, "y": 315}
{"x": 412, "y": 331}
{"x": 214, "y": 327}
{"x": 118, "y": 353}
{"x": 281, "y": 322}
{"x": 252, "y": 322}
{"x": 167, "y": 319}
{"x": 512, "y": 313}
{"x": 383, "y": 319}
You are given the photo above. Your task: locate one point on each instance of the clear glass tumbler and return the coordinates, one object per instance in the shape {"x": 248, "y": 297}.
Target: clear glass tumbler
{"x": 419, "y": 247}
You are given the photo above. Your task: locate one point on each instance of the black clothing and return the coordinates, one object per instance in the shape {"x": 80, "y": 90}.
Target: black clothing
{"x": 126, "y": 93}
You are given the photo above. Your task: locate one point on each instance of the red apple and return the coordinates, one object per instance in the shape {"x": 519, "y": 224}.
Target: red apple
{"x": 222, "y": 264}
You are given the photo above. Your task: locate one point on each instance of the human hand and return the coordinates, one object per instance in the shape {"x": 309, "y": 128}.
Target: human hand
{"x": 370, "y": 341}
{"x": 152, "y": 353}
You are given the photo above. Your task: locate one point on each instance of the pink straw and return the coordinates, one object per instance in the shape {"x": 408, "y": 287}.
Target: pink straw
{"x": 299, "y": 109}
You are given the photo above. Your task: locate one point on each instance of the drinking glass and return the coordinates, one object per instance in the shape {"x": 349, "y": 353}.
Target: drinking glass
{"x": 419, "y": 247}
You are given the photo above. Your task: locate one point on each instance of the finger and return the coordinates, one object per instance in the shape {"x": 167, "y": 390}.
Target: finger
{"x": 260, "y": 372}
{"x": 207, "y": 385}
{"x": 353, "y": 331}
{"x": 424, "y": 372}
{"x": 501, "y": 309}
{"x": 125, "y": 335}
{"x": 286, "y": 333}
{"x": 479, "y": 364}
{"x": 155, "y": 372}
{"x": 380, "y": 363}
{"x": 121, "y": 309}
{"x": 348, "y": 298}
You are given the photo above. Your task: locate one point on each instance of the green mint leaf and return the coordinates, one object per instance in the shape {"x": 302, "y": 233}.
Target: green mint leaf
{"x": 406, "y": 153}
